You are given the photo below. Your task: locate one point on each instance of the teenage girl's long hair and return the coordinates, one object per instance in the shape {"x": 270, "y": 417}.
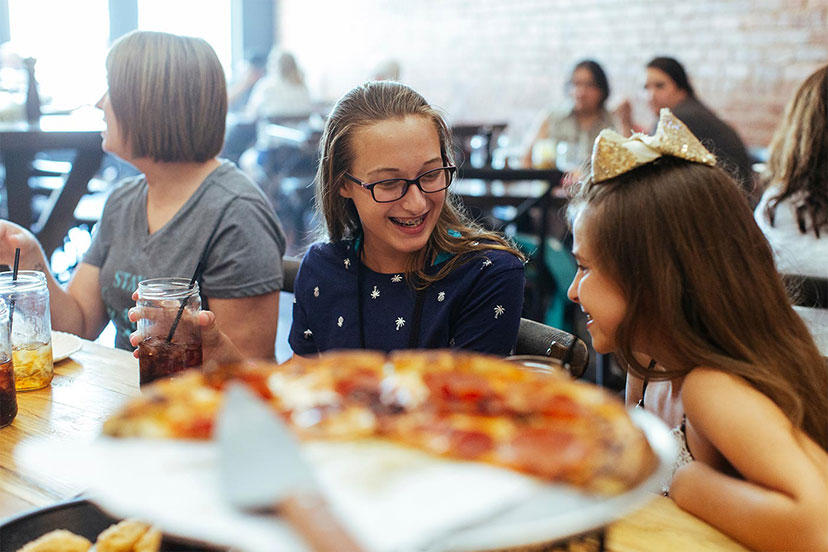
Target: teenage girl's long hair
{"x": 366, "y": 105}
{"x": 680, "y": 240}
{"x": 798, "y": 163}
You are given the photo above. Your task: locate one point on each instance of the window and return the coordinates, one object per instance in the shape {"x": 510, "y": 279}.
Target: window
{"x": 69, "y": 41}
{"x": 207, "y": 19}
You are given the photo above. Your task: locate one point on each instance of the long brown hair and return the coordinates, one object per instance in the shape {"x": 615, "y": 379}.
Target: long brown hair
{"x": 702, "y": 290}
{"x": 364, "y": 106}
{"x": 798, "y": 162}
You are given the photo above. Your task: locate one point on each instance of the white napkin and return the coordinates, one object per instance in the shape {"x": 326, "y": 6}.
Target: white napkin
{"x": 392, "y": 498}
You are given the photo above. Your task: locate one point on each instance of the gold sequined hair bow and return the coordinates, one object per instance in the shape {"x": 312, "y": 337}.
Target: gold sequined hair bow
{"x": 613, "y": 154}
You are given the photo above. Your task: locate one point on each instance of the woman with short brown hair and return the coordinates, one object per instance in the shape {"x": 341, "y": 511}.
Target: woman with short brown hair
{"x": 165, "y": 113}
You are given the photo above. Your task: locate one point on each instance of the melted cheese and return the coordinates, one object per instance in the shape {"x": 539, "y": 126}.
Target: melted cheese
{"x": 406, "y": 389}
{"x": 303, "y": 393}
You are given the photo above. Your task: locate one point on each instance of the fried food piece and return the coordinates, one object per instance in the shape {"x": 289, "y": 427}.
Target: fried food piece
{"x": 59, "y": 540}
{"x": 122, "y": 536}
{"x": 150, "y": 542}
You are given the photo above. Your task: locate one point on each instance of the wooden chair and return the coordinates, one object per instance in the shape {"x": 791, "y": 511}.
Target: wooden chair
{"x": 538, "y": 339}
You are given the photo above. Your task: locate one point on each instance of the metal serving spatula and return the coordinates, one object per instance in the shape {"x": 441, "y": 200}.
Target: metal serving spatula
{"x": 261, "y": 468}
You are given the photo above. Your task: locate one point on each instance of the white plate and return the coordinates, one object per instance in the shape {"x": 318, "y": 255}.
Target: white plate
{"x": 64, "y": 344}
{"x": 392, "y": 498}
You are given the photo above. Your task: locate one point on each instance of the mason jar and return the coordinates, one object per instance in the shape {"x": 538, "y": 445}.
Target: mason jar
{"x": 170, "y": 337}
{"x": 27, "y": 300}
{"x": 8, "y": 395}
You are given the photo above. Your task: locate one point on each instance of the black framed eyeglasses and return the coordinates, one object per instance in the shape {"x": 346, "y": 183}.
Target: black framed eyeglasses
{"x": 393, "y": 189}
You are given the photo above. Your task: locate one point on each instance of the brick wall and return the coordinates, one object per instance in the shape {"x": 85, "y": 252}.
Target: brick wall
{"x": 505, "y": 60}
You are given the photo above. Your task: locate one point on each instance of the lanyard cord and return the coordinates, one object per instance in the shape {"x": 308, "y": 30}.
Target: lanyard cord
{"x": 646, "y": 381}
{"x": 414, "y": 335}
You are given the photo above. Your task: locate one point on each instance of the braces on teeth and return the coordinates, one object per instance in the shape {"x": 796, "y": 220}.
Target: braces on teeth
{"x": 414, "y": 222}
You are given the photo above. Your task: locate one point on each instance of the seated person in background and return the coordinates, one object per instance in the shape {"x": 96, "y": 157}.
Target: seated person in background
{"x": 280, "y": 97}
{"x": 668, "y": 86}
{"x": 388, "y": 69}
{"x": 398, "y": 266}
{"x": 160, "y": 224}
{"x": 573, "y": 131}
{"x": 238, "y": 91}
{"x": 793, "y": 211}
{"x": 281, "y": 92}
{"x": 241, "y": 132}
{"x": 679, "y": 282}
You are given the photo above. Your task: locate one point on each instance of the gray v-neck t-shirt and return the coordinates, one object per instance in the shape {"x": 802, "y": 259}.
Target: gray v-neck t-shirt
{"x": 244, "y": 259}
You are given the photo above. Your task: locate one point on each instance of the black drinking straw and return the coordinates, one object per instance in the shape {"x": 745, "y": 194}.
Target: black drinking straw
{"x": 14, "y": 279}
{"x": 196, "y": 274}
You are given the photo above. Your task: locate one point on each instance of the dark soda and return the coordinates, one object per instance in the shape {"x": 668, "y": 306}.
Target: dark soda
{"x": 158, "y": 359}
{"x": 8, "y": 395}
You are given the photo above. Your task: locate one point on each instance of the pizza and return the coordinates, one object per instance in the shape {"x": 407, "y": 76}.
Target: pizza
{"x": 464, "y": 406}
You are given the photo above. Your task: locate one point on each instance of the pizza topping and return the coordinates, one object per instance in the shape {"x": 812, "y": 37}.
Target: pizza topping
{"x": 406, "y": 390}
{"x": 299, "y": 394}
{"x": 470, "y": 444}
{"x": 546, "y": 452}
{"x": 468, "y": 392}
{"x": 463, "y": 406}
{"x": 557, "y": 405}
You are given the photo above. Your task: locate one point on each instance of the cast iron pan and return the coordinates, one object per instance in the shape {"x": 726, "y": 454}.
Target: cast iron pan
{"x": 82, "y": 518}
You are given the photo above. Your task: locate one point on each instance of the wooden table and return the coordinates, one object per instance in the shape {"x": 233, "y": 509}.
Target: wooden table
{"x": 90, "y": 385}
{"x": 19, "y": 142}
{"x": 86, "y": 389}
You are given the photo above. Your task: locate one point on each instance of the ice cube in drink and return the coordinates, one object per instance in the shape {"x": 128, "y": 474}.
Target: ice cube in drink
{"x": 33, "y": 367}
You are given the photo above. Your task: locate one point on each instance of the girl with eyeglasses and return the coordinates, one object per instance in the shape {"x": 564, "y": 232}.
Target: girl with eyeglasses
{"x": 397, "y": 264}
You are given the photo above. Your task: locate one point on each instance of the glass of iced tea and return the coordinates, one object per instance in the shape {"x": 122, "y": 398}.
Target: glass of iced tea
{"x": 27, "y": 300}
{"x": 161, "y": 354}
{"x": 8, "y": 395}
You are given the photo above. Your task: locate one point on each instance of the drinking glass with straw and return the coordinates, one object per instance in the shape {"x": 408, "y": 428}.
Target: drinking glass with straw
{"x": 26, "y": 293}
{"x": 14, "y": 279}
{"x": 193, "y": 280}
{"x": 167, "y": 349}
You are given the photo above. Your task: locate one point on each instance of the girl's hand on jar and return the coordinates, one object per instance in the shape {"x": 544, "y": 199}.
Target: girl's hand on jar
{"x": 135, "y": 338}
{"x": 215, "y": 345}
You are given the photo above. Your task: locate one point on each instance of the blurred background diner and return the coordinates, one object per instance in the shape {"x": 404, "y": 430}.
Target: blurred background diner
{"x": 497, "y": 70}
{"x": 564, "y": 137}
{"x": 667, "y": 85}
{"x": 793, "y": 210}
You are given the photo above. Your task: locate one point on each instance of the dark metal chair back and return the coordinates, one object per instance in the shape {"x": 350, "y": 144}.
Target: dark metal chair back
{"x": 290, "y": 266}
{"x": 807, "y": 291}
{"x": 539, "y": 339}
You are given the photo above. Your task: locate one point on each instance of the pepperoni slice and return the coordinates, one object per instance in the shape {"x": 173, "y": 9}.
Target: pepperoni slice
{"x": 469, "y": 444}
{"x": 197, "y": 428}
{"x": 545, "y": 452}
{"x": 463, "y": 392}
{"x": 359, "y": 385}
{"x": 557, "y": 406}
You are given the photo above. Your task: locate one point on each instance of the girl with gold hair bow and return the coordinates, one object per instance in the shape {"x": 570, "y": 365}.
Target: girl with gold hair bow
{"x": 676, "y": 278}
